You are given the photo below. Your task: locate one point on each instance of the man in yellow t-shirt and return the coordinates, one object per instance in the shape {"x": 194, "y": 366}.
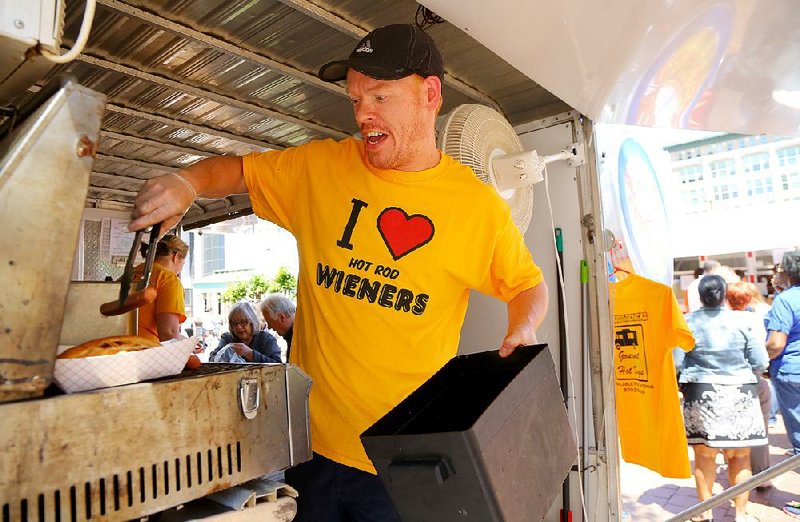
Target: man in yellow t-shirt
{"x": 392, "y": 235}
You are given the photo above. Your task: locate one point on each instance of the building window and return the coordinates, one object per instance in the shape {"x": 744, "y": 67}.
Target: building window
{"x": 790, "y": 182}
{"x": 691, "y": 174}
{"x": 213, "y": 253}
{"x": 696, "y": 197}
{"x": 725, "y": 192}
{"x": 759, "y": 186}
{"x": 790, "y": 171}
{"x": 758, "y": 179}
{"x": 722, "y": 169}
{"x": 788, "y": 156}
{"x": 756, "y": 162}
{"x": 187, "y": 300}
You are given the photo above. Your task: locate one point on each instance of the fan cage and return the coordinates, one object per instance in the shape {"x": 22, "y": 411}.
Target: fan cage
{"x": 474, "y": 135}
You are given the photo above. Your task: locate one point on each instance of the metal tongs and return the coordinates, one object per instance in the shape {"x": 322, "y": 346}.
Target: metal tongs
{"x": 144, "y": 293}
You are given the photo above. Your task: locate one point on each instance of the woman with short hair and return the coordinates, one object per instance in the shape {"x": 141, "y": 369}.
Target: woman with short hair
{"x": 246, "y": 337}
{"x": 740, "y": 296}
{"x": 721, "y": 409}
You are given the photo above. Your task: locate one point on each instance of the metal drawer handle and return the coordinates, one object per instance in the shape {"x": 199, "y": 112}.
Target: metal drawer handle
{"x": 249, "y": 397}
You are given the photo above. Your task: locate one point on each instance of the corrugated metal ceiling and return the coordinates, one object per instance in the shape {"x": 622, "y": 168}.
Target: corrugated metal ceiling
{"x": 188, "y": 79}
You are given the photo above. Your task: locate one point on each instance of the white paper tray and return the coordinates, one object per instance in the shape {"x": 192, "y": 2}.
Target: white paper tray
{"x": 89, "y": 373}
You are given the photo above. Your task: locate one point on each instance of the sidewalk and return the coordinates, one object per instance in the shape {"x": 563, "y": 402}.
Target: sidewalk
{"x": 647, "y": 496}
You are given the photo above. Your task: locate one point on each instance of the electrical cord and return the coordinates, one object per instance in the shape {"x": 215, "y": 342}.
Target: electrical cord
{"x": 426, "y": 18}
{"x": 574, "y": 409}
{"x": 80, "y": 41}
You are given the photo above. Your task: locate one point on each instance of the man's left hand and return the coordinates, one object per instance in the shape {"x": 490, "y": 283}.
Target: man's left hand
{"x": 525, "y": 314}
{"x": 518, "y": 337}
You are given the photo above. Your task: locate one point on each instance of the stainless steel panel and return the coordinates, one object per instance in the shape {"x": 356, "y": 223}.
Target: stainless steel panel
{"x": 44, "y": 172}
{"x": 82, "y": 318}
{"x": 126, "y": 452}
{"x": 203, "y": 73}
{"x": 298, "y": 388}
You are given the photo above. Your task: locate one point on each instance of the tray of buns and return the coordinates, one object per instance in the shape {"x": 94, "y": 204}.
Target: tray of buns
{"x": 118, "y": 360}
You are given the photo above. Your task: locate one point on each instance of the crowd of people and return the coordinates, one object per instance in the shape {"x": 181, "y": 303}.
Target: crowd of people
{"x": 746, "y": 359}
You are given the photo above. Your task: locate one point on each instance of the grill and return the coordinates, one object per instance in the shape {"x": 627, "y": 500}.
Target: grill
{"x": 115, "y": 453}
{"x": 130, "y": 489}
{"x": 126, "y": 452}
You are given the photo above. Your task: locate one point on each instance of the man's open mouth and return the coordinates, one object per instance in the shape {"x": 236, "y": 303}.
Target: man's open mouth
{"x": 375, "y": 137}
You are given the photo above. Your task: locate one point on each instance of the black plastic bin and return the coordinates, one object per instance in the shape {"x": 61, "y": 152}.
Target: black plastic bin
{"x": 484, "y": 439}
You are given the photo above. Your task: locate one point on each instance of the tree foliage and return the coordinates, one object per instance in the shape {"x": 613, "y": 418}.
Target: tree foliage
{"x": 257, "y": 286}
{"x": 284, "y": 282}
{"x": 235, "y": 292}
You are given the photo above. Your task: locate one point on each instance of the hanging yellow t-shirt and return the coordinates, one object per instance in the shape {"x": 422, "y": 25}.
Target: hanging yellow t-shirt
{"x": 169, "y": 300}
{"x": 648, "y": 324}
{"x": 387, "y": 259}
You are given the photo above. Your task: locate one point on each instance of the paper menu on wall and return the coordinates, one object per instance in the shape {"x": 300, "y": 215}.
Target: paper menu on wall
{"x": 120, "y": 240}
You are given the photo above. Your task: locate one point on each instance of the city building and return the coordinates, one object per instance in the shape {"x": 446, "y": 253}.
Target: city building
{"x": 735, "y": 199}
{"x": 231, "y": 251}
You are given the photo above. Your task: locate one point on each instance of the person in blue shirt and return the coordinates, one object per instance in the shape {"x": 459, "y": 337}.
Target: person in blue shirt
{"x": 783, "y": 345}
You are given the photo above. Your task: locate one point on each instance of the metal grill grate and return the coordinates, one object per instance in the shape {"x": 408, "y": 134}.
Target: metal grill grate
{"x": 212, "y": 368}
{"x": 131, "y": 490}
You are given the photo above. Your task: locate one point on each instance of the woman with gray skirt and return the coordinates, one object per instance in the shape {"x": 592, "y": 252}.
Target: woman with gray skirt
{"x": 720, "y": 400}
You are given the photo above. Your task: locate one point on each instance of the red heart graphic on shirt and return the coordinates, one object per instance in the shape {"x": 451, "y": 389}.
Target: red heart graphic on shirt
{"x": 403, "y": 233}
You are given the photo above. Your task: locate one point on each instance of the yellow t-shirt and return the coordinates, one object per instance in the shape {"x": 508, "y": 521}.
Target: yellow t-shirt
{"x": 169, "y": 300}
{"x": 387, "y": 259}
{"x": 648, "y": 324}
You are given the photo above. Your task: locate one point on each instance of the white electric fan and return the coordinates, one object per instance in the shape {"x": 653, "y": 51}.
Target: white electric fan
{"x": 482, "y": 139}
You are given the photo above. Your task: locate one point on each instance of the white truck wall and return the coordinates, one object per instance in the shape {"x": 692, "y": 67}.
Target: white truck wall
{"x": 92, "y": 214}
{"x": 486, "y": 319}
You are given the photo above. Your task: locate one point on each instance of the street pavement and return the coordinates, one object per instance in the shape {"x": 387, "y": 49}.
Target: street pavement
{"x": 647, "y": 496}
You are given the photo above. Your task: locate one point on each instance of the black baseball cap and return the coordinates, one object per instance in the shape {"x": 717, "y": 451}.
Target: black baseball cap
{"x": 390, "y": 52}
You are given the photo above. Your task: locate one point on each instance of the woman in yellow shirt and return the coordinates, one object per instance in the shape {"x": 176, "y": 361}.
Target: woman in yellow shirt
{"x": 161, "y": 320}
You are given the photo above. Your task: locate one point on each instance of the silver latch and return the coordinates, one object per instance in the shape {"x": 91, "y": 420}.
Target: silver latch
{"x": 249, "y": 397}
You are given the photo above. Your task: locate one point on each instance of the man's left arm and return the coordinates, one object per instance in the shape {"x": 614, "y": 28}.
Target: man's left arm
{"x": 525, "y": 313}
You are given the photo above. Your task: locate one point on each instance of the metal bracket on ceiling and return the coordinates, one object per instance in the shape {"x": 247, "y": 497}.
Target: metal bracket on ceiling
{"x": 578, "y": 157}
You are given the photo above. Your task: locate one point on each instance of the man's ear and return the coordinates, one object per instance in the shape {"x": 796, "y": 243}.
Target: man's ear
{"x": 433, "y": 92}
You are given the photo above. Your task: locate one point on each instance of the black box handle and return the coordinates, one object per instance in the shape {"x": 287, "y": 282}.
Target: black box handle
{"x": 434, "y": 471}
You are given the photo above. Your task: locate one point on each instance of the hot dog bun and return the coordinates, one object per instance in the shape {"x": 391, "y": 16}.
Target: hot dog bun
{"x": 108, "y": 346}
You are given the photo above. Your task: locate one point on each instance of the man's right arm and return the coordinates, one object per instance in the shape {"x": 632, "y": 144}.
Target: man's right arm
{"x": 166, "y": 199}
